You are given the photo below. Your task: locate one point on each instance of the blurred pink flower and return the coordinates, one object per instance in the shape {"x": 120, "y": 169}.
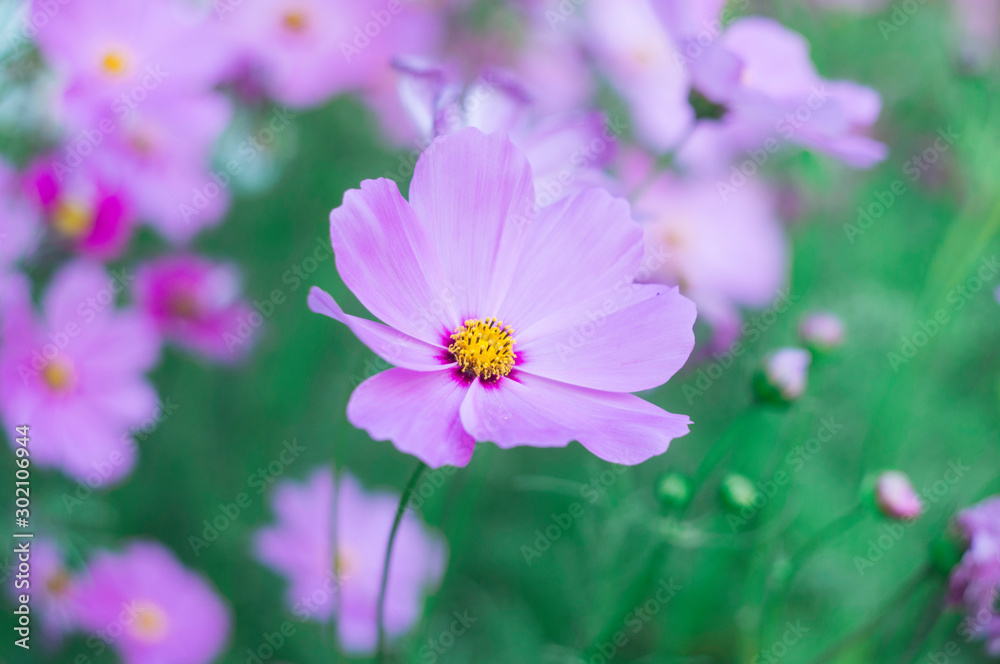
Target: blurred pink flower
{"x": 147, "y": 606}
{"x": 723, "y": 252}
{"x": 895, "y": 496}
{"x": 505, "y": 328}
{"x": 566, "y": 152}
{"x": 303, "y": 52}
{"x": 52, "y": 591}
{"x": 81, "y": 207}
{"x": 160, "y": 158}
{"x": 75, "y": 375}
{"x": 346, "y": 585}
{"x": 975, "y": 583}
{"x": 193, "y": 302}
{"x": 761, "y": 72}
{"x": 22, "y": 228}
{"x": 641, "y": 60}
{"x": 977, "y": 28}
{"x": 114, "y": 53}
{"x": 822, "y": 330}
{"x": 785, "y": 373}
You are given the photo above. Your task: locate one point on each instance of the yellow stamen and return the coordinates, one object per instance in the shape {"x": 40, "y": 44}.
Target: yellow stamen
{"x": 150, "y": 623}
{"x": 58, "y": 376}
{"x": 484, "y": 348}
{"x": 183, "y": 305}
{"x": 72, "y": 219}
{"x": 295, "y": 21}
{"x": 114, "y": 63}
{"x": 344, "y": 564}
{"x": 58, "y": 583}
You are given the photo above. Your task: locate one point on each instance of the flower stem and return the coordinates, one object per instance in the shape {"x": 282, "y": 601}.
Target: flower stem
{"x": 404, "y": 500}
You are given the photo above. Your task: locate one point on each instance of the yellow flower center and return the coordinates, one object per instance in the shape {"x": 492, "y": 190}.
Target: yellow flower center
{"x": 484, "y": 348}
{"x": 344, "y": 564}
{"x": 295, "y": 21}
{"x": 72, "y": 219}
{"x": 58, "y": 376}
{"x": 57, "y": 584}
{"x": 114, "y": 63}
{"x": 183, "y": 305}
{"x": 150, "y": 623}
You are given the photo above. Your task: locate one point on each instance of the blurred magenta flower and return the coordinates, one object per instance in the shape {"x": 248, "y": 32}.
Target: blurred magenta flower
{"x": 642, "y": 61}
{"x": 193, "y": 302}
{"x": 723, "y": 252}
{"x": 761, "y": 72}
{"x": 160, "y": 158}
{"x": 81, "y": 207}
{"x": 75, "y": 374}
{"x": 345, "y": 584}
{"x": 975, "y": 583}
{"x": 566, "y": 152}
{"x": 22, "y": 228}
{"x": 52, "y": 590}
{"x": 895, "y": 496}
{"x": 821, "y": 330}
{"x": 149, "y": 608}
{"x": 521, "y": 330}
{"x": 109, "y": 55}
{"x": 783, "y": 375}
{"x": 977, "y": 29}
{"x": 303, "y": 52}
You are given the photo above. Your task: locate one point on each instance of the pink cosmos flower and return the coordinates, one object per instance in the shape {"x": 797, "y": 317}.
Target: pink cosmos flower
{"x": 566, "y": 152}
{"x": 724, "y": 252}
{"x": 147, "y": 606}
{"x": 52, "y": 591}
{"x": 160, "y": 157}
{"x": 642, "y": 61}
{"x": 21, "y": 230}
{"x": 113, "y": 53}
{"x": 895, "y": 496}
{"x": 977, "y": 28}
{"x": 75, "y": 373}
{"x": 194, "y": 302}
{"x": 503, "y": 328}
{"x": 81, "y": 206}
{"x": 302, "y": 52}
{"x": 975, "y": 583}
{"x": 762, "y": 73}
{"x": 346, "y": 585}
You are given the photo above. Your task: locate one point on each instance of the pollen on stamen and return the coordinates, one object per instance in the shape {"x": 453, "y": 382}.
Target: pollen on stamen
{"x": 484, "y": 348}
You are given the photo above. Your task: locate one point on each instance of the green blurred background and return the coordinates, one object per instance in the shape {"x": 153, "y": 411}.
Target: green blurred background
{"x": 936, "y": 409}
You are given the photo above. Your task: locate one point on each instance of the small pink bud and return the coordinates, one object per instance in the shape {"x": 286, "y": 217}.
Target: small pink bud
{"x": 783, "y": 375}
{"x": 822, "y": 331}
{"x": 895, "y": 496}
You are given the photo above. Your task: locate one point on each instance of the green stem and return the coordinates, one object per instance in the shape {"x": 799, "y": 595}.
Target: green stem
{"x": 404, "y": 500}
{"x": 634, "y": 596}
{"x": 865, "y": 630}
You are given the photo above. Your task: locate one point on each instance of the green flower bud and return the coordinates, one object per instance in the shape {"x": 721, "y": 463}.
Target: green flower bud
{"x": 738, "y": 492}
{"x": 673, "y": 490}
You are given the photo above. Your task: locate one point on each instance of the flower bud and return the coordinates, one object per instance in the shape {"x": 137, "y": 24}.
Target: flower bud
{"x": 738, "y": 492}
{"x": 782, "y": 375}
{"x": 821, "y": 331}
{"x": 895, "y": 497}
{"x": 673, "y": 490}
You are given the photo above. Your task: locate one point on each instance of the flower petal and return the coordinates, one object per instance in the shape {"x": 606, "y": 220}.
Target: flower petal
{"x": 474, "y": 193}
{"x": 626, "y": 347}
{"x": 391, "y": 345}
{"x": 385, "y": 257}
{"x": 529, "y": 410}
{"x": 417, "y": 411}
{"x": 577, "y": 251}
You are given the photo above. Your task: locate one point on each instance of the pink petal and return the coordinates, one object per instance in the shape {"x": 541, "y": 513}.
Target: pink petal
{"x": 623, "y": 348}
{"x": 417, "y": 411}
{"x": 528, "y": 410}
{"x": 474, "y": 194}
{"x": 385, "y": 257}
{"x": 394, "y": 347}
{"x": 606, "y": 245}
